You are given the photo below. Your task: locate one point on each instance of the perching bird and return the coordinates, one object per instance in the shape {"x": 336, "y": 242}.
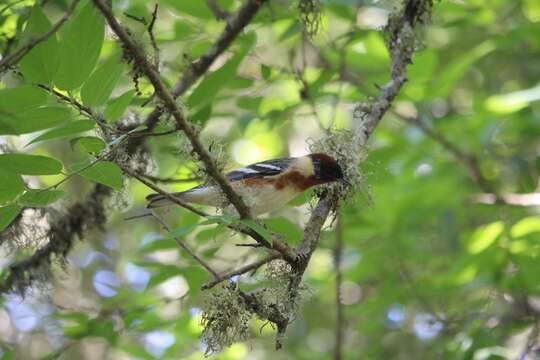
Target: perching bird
{"x": 264, "y": 186}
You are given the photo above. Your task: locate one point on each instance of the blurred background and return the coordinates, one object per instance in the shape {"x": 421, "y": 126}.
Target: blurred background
{"x": 440, "y": 246}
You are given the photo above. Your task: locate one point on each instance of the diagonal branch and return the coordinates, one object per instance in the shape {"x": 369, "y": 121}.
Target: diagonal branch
{"x": 242, "y": 270}
{"x": 217, "y": 10}
{"x": 183, "y": 245}
{"x": 62, "y": 234}
{"x": 12, "y": 59}
{"x": 143, "y": 65}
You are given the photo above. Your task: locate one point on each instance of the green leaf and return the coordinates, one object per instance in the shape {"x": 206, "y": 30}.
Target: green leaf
{"x": 301, "y": 199}
{"x": 225, "y": 219}
{"x": 195, "y": 276}
{"x": 210, "y": 233}
{"x": 194, "y": 8}
{"x": 7, "y": 215}
{"x": 21, "y": 98}
{"x": 448, "y": 77}
{"x": 525, "y": 227}
{"x": 11, "y": 185}
{"x": 202, "y": 115}
{"x": 484, "y": 237}
{"x": 82, "y": 38}
{"x": 182, "y": 231}
{"x": 249, "y": 103}
{"x": 514, "y": 101}
{"x": 285, "y": 227}
{"x": 75, "y": 324}
{"x": 116, "y": 107}
{"x": 89, "y": 144}
{"x": 103, "y": 172}
{"x": 212, "y": 83}
{"x": 182, "y": 29}
{"x": 32, "y": 120}
{"x": 266, "y": 71}
{"x": 163, "y": 273}
{"x": 159, "y": 244}
{"x": 74, "y": 127}
{"x": 41, "y": 198}
{"x": 253, "y": 225}
{"x": 99, "y": 87}
{"x": 8, "y": 355}
{"x": 40, "y": 64}
{"x": 30, "y": 164}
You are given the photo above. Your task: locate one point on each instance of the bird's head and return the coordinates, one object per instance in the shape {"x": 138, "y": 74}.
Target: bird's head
{"x": 326, "y": 168}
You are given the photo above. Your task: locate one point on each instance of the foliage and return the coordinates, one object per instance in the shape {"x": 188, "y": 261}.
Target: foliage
{"x": 440, "y": 233}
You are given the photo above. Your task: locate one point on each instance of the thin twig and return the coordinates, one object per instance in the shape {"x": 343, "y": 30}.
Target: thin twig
{"x": 185, "y": 247}
{"x": 170, "y": 180}
{"x": 145, "y": 133}
{"x": 150, "y": 30}
{"x": 85, "y": 110}
{"x": 218, "y": 11}
{"x": 101, "y": 157}
{"x": 12, "y": 59}
{"x": 240, "y": 271}
{"x": 134, "y": 217}
{"x": 160, "y": 191}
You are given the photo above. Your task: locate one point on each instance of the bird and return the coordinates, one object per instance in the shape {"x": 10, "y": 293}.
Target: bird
{"x": 264, "y": 186}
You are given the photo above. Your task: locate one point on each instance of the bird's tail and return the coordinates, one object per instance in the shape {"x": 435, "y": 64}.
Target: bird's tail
{"x": 158, "y": 200}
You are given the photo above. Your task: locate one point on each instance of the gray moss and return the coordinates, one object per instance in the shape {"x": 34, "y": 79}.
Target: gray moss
{"x": 225, "y": 318}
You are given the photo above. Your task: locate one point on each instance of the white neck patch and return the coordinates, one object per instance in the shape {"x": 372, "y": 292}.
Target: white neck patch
{"x": 305, "y": 166}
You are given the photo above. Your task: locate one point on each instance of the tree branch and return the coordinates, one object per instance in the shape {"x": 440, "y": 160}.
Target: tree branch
{"x": 169, "y": 180}
{"x": 240, "y": 271}
{"x": 219, "y": 13}
{"x": 61, "y": 235}
{"x": 85, "y": 110}
{"x": 12, "y": 59}
{"x": 186, "y": 248}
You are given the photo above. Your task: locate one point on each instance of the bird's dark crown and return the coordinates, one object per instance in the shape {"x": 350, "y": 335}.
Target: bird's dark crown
{"x": 326, "y": 167}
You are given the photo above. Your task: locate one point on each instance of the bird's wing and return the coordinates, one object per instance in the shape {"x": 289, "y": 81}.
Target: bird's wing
{"x": 257, "y": 170}
{"x": 260, "y": 169}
